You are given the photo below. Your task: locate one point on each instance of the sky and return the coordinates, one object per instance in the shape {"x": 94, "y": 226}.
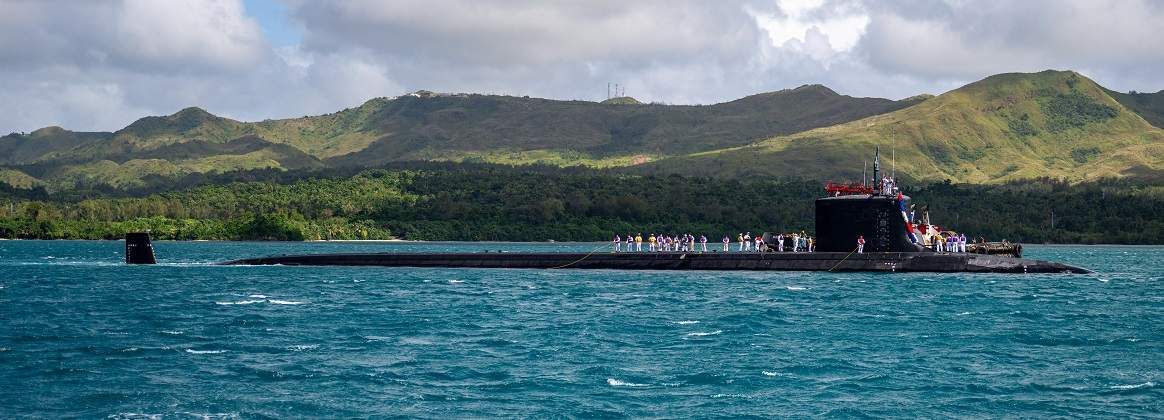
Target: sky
{"x": 98, "y": 65}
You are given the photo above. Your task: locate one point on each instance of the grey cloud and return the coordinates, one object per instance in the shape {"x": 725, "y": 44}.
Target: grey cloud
{"x": 141, "y": 35}
{"x": 964, "y": 40}
{"x": 97, "y": 65}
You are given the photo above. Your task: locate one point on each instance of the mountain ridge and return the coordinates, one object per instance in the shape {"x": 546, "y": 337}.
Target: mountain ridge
{"x": 1004, "y": 127}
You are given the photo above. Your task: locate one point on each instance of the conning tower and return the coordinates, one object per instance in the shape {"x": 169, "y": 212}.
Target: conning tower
{"x": 874, "y": 214}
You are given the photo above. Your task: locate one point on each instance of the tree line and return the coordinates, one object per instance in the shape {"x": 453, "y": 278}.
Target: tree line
{"x": 530, "y": 204}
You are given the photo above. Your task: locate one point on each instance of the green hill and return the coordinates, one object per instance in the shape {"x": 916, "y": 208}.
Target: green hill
{"x": 427, "y": 127}
{"x": 622, "y": 100}
{"x": 1009, "y": 126}
{"x": 1148, "y": 105}
{"x": 1055, "y": 124}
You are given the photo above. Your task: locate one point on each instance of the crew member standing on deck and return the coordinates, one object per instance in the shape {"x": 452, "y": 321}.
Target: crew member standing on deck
{"x": 617, "y": 243}
{"x": 703, "y": 241}
{"x": 780, "y": 243}
{"x": 726, "y": 241}
{"x": 747, "y": 241}
{"x": 860, "y": 244}
{"x": 651, "y": 241}
{"x": 795, "y": 242}
{"x": 759, "y": 243}
{"x": 639, "y": 242}
{"x": 740, "y": 240}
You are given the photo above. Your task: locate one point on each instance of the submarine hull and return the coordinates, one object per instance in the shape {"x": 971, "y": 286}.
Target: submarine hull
{"x": 816, "y": 261}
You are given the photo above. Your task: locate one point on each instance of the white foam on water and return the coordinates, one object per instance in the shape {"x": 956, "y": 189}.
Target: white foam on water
{"x": 1148, "y": 384}
{"x": 767, "y": 373}
{"x": 192, "y": 351}
{"x": 964, "y": 313}
{"x": 456, "y": 281}
{"x": 616, "y": 382}
{"x": 241, "y": 302}
{"x": 687, "y": 322}
{"x": 137, "y": 416}
{"x": 731, "y": 396}
{"x": 703, "y": 334}
{"x": 416, "y": 341}
{"x": 173, "y": 332}
{"x": 303, "y": 347}
{"x": 258, "y": 296}
{"x": 794, "y": 288}
{"x": 285, "y": 302}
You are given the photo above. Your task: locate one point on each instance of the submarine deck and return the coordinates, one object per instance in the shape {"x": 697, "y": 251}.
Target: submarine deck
{"x": 816, "y": 261}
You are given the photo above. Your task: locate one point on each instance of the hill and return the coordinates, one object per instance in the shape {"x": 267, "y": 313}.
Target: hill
{"x": 1005, "y": 127}
{"x": 1148, "y": 105}
{"x": 621, "y": 100}
{"x": 1056, "y": 124}
{"x": 425, "y": 126}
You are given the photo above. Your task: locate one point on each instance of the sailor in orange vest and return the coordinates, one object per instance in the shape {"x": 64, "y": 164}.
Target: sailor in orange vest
{"x": 860, "y": 244}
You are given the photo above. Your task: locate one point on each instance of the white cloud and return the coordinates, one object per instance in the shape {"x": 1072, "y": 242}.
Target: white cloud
{"x": 97, "y": 65}
{"x": 187, "y": 32}
{"x": 799, "y": 20}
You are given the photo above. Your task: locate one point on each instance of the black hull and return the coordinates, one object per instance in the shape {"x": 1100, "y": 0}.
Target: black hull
{"x": 817, "y": 261}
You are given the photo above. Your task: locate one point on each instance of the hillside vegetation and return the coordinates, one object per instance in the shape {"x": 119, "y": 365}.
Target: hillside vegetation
{"x": 1055, "y": 124}
{"x": 425, "y": 127}
{"x": 507, "y": 204}
{"x": 1005, "y": 127}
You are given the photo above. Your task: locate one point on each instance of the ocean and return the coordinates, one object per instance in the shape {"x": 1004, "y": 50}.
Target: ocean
{"x": 82, "y": 335}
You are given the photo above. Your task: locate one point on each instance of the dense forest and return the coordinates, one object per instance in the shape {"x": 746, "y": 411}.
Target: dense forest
{"x": 528, "y": 204}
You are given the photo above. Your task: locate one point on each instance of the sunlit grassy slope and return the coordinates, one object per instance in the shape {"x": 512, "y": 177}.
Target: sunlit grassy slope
{"x": 1010, "y": 126}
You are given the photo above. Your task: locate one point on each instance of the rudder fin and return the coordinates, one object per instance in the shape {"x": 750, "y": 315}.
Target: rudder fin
{"x": 138, "y": 248}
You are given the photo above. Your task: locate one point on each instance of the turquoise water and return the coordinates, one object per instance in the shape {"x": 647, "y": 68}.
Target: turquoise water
{"x": 82, "y": 335}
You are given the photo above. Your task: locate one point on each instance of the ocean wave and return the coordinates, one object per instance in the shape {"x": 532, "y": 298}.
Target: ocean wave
{"x": 271, "y": 301}
{"x": 687, "y": 322}
{"x": 767, "y": 373}
{"x": 285, "y": 302}
{"x": 456, "y": 281}
{"x": 173, "y": 332}
{"x": 192, "y": 351}
{"x": 136, "y": 416}
{"x": 303, "y": 347}
{"x": 731, "y": 396}
{"x": 241, "y": 302}
{"x": 257, "y": 296}
{"x": 795, "y": 288}
{"x": 1148, "y": 384}
{"x": 616, "y": 382}
{"x": 704, "y": 334}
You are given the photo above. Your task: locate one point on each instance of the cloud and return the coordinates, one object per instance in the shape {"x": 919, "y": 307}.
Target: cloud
{"x": 97, "y": 65}
{"x": 1114, "y": 41}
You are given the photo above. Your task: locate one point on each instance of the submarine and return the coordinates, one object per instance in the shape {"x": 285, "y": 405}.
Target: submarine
{"x": 846, "y": 214}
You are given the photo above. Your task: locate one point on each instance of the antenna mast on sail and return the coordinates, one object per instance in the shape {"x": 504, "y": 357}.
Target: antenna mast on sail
{"x": 893, "y": 161}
